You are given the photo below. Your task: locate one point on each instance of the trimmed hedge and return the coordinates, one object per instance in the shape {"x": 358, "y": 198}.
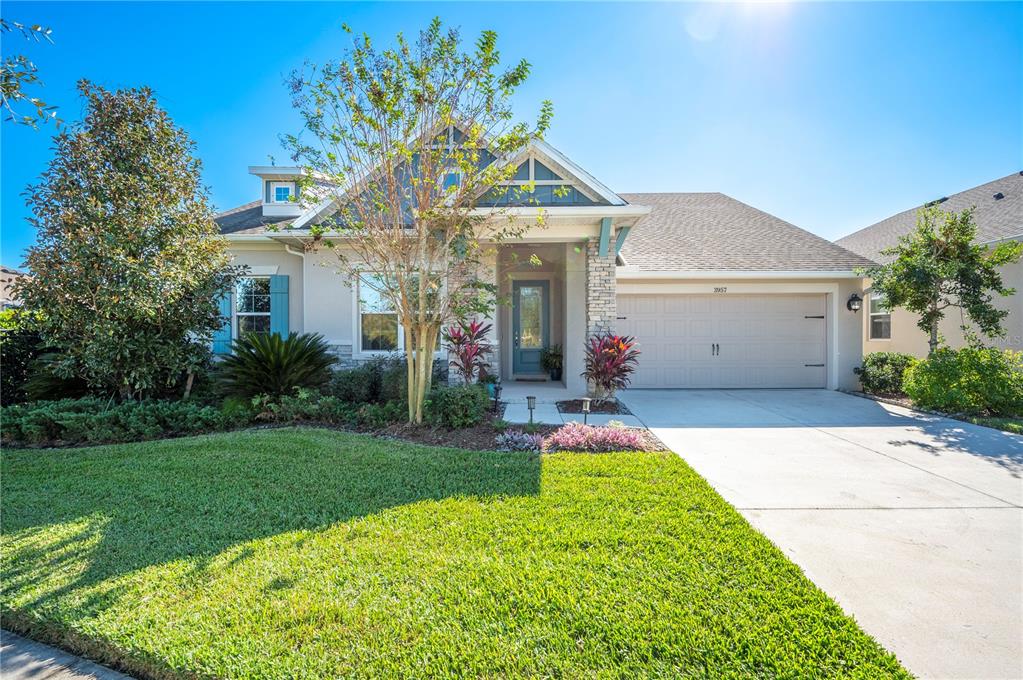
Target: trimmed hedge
{"x": 975, "y": 381}
{"x": 457, "y": 407}
{"x": 882, "y": 372}
{"x": 92, "y": 420}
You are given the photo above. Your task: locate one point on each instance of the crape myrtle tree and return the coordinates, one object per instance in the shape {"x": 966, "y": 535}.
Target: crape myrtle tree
{"x": 128, "y": 264}
{"x": 18, "y": 75}
{"x": 939, "y": 267}
{"x": 399, "y": 144}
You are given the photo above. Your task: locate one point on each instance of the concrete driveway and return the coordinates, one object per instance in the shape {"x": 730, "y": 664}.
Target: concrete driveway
{"x": 913, "y": 523}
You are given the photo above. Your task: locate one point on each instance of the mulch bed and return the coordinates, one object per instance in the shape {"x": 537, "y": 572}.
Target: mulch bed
{"x": 477, "y": 438}
{"x": 606, "y": 407}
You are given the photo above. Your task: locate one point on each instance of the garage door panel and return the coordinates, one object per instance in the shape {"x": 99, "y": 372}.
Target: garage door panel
{"x": 762, "y": 340}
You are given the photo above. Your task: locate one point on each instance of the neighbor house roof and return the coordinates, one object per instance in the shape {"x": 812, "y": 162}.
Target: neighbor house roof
{"x": 248, "y": 219}
{"x": 996, "y": 218}
{"x": 711, "y": 231}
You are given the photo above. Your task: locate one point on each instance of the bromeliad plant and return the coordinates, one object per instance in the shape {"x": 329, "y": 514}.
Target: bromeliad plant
{"x": 610, "y": 360}
{"x": 468, "y": 343}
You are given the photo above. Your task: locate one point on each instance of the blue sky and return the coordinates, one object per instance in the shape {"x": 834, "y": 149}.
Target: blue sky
{"x": 831, "y": 116}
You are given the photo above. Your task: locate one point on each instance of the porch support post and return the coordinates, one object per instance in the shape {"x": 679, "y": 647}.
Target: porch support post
{"x": 601, "y": 289}
{"x": 605, "y": 235}
{"x": 601, "y": 303}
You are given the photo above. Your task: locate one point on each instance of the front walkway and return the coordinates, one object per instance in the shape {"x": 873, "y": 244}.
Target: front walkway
{"x": 22, "y": 659}
{"x": 912, "y": 523}
{"x": 548, "y": 394}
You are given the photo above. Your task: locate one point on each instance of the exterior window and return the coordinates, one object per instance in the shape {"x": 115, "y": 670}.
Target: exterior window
{"x": 280, "y": 192}
{"x": 252, "y": 305}
{"x": 880, "y": 318}
{"x": 378, "y": 321}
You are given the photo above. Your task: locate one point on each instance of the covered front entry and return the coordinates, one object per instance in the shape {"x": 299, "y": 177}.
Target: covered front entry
{"x": 727, "y": 340}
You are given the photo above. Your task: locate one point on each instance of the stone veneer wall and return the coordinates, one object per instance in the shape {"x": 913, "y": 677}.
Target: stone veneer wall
{"x": 601, "y": 291}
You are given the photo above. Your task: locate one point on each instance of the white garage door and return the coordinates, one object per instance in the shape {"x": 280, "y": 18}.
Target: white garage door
{"x": 708, "y": 341}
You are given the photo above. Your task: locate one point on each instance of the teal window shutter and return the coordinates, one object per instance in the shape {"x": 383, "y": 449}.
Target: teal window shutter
{"x": 279, "y": 304}
{"x": 222, "y": 336}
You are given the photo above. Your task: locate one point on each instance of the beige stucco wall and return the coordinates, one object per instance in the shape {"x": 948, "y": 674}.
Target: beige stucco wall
{"x": 907, "y": 337}
{"x": 264, "y": 257}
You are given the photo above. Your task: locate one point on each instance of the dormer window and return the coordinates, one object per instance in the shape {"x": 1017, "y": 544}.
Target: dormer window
{"x": 281, "y": 192}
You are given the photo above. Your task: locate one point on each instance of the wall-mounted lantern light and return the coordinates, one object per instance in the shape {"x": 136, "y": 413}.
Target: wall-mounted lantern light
{"x": 855, "y": 303}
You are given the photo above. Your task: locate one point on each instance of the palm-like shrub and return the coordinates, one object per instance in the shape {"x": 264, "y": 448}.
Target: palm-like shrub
{"x": 269, "y": 364}
{"x": 610, "y": 361}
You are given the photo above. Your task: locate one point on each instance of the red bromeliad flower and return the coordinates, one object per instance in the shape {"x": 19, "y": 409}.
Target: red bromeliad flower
{"x": 610, "y": 361}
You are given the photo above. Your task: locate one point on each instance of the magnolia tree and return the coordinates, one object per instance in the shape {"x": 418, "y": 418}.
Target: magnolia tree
{"x": 399, "y": 146}
{"x": 939, "y": 267}
{"x": 128, "y": 263}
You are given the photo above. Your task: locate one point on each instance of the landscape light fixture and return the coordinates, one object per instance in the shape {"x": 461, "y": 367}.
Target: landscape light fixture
{"x": 855, "y": 303}
{"x": 586, "y": 410}
{"x": 497, "y": 395}
{"x": 531, "y": 404}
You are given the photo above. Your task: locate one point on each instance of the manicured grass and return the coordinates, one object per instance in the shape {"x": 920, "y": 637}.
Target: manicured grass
{"x": 310, "y": 553}
{"x": 1014, "y": 425}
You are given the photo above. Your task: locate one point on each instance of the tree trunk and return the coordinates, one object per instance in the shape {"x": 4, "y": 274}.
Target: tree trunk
{"x": 932, "y": 342}
{"x": 188, "y": 384}
{"x": 410, "y": 377}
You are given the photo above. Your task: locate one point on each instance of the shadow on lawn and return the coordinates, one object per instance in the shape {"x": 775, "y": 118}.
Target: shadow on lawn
{"x": 128, "y": 507}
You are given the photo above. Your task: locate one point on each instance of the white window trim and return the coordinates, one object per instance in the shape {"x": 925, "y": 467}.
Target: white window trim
{"x": 290, "y": 186}
{"x": 235, "y": 314}
{"x": 357, "y": 350}
{"x": 870, "y": 320}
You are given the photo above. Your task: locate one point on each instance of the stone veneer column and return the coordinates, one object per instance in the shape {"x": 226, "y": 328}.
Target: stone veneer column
{"x": 601, "y": 302}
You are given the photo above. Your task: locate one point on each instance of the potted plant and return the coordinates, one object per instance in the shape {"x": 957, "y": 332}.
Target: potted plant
{"x": 551, "y": 359}
{"x": 489, "y": 381}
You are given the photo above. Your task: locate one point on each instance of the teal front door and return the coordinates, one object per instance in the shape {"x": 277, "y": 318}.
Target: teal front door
{"x": 530, "y": 325}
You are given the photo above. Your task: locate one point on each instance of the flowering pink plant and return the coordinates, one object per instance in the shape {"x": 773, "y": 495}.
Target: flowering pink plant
{"x": 610, "y": 360}
{"x": 468, "y": 342}
{"x": 579, "y": 437}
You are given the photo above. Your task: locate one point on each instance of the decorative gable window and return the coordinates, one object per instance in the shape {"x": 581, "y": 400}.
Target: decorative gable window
{"x": 534, "y": 183}
{"x": 880, "y": 318}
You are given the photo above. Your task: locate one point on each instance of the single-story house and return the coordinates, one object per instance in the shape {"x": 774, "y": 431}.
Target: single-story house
{"x": 998, "y": 213}
{"x": 717, "y": 293}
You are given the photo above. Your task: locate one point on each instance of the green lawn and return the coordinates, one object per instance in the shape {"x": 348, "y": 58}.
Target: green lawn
{"x": 311, "y": 553}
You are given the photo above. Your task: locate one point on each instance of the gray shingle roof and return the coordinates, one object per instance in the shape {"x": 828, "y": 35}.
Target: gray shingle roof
{"x": 685, "y": 231}
{"x": 694, "y": 231}
{"x": 248, "y": 219}
{"x": 996, "y": 218}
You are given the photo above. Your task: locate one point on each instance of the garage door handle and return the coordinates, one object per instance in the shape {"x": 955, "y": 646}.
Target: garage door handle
{"x": 622, "y": 318}
{"x": 819, "y": 316}
{"x": 814, "y": 365}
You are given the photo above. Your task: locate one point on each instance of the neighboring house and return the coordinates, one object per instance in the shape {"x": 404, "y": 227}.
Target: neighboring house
{"x": 998, "y": 213}
{"x": 718, "y": 294}
{"x": 8, "y": 277}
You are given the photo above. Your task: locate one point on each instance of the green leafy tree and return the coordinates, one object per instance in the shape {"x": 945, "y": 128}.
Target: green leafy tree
{"x": 939, "y": 267}
{"x": 129, "y": 262}
{"x": 18, "y": 73}
{"x": 399, "y": 145}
